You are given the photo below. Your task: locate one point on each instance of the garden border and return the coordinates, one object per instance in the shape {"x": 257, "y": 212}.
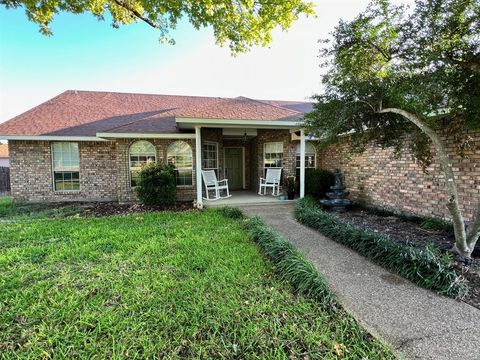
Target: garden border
{"x": 424, "y": 267}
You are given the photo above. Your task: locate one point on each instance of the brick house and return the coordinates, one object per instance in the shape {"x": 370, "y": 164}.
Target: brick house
{"x": 89, "y": 146}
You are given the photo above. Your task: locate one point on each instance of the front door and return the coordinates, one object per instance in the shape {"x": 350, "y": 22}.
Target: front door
{"x": 234, "y": 167}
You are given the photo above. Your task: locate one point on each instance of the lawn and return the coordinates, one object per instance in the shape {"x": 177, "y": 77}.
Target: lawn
{"x": 165, "y": 285}
{"x": 13, "y": 212}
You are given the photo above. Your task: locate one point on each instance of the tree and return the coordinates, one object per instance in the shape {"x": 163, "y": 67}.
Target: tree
{"x": 394, "y": 72}
{"x": 241, "y": 23}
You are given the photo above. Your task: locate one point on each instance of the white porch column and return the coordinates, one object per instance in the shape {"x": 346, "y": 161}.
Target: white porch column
{"x": 302, "y": 163}
{"x": 198, "y": 165}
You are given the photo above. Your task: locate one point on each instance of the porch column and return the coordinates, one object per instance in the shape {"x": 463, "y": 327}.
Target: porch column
{"x": 198, "y": 165}
{"x": 302, "y": 163}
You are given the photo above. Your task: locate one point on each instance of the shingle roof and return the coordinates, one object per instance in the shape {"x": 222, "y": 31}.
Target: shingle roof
{"x": 3, "y": 150}
{"x": 86, "y": 113}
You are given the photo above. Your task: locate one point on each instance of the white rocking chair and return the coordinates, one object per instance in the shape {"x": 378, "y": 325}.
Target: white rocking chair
{"x": 212, "y": 184}
{"x": 272, "y": 180}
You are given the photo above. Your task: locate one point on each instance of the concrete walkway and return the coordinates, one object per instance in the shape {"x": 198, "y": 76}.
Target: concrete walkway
{"x": 417, "y": 323}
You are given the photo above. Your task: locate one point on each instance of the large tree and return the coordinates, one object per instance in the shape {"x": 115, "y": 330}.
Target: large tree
{"x": 396, "y": 71}
{"x": 240, "y": 23}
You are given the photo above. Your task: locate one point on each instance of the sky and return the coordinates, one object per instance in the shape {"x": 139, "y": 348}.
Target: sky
{"x": 86, "y": 54}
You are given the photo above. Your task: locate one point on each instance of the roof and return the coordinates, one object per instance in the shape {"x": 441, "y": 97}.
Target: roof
{"x": 3, "y": 150}
{"x": 86, "y": 113}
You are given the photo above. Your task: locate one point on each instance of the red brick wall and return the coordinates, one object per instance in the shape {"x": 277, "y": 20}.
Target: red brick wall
{"x": 265, "y": 136}
{"x": 104, "y": 166}
{"x": 377, "y": 178}
{"x": 31, "y": 172}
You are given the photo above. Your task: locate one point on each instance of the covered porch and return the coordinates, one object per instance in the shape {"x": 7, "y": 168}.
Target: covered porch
{"x": 244, "y": 155}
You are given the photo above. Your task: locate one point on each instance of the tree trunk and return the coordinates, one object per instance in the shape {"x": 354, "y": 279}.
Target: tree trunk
{"x": 464, "y": 243}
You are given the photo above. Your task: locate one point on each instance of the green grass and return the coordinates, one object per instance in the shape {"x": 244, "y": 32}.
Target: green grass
{"x": 10, "y": 211}
{"x": 165, "y": 285}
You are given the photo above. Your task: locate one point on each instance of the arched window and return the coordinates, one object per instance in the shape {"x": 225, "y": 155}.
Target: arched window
{"x": 141, "y": 153}
{"x": 179, "y": 154}
{"x": 310, "y": 157}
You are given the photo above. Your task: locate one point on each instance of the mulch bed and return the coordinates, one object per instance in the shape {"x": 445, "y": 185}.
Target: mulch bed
{"x": 412, "y": 234}
{"x": 111, "y": 208}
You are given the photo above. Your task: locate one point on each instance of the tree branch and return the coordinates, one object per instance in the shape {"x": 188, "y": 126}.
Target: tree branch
{"x": 367, "y": 103}
{"x": 386, "y": 55}
{"x": 472, "y": 65}
{"x": 474, "y": 228}
{"x": 452, "y": 205}
{"x": 137, "y": 14}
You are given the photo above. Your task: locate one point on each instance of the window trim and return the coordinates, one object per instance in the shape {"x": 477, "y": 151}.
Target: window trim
{"x": 314, "y": 157}
{"x": 264, "y": 152}
{"x": 52, "y": 168}
{"x": 184, "y": 168}
{"x": 216, "y": 155}
{"x": 130, "y": 160}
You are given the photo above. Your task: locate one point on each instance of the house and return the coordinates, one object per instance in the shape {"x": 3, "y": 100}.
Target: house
{"x": 4, "y": 162}
{"x": 89, "y": 146}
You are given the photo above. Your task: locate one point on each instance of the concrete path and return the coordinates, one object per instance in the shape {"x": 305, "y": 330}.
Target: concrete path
{"x": 416, "y": 322}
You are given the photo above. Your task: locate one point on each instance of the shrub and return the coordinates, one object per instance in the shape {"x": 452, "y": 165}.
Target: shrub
{"x": 157, "y": 185}
{"x": 318, "y": 182}
{"x": 231, "y": 212}
{"x": 437, "y": 224}
{"x": 425, "y": 267}
{"x": 290, "y": 263}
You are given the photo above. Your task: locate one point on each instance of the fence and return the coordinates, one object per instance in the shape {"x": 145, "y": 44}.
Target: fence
{"x": 4, "y": 181}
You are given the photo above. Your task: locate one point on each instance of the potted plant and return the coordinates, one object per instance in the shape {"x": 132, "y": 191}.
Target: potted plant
{"x": 290, "y": 184}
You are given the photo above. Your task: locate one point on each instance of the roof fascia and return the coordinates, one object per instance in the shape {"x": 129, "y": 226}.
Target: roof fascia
{"x": 145, "y": 136}
{"x": 50, "y": 138}
{"x": 275, "y": 124}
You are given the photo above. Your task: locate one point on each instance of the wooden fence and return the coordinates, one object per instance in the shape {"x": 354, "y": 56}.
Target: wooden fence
{"x": 4, "y": 181}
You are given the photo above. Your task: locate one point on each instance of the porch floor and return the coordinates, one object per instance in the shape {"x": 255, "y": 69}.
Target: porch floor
{"x": 245, "y": 197}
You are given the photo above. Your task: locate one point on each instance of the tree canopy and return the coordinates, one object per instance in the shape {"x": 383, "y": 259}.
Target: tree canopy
{"x": 394, "y": 71}
{"x": 424, "y": 60}
{"x": 242, "y": 24}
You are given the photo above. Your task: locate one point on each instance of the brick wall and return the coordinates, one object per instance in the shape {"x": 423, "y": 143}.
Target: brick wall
{"x": 31, "y": 172}
{"x": 282, "y": 136}
{"x": 377, "y": 178}
{"x": 104, "y": 166}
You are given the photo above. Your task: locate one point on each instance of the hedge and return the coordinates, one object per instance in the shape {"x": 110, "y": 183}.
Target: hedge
{"x": 290, "y": 264}
{"x": 425, "y": 267}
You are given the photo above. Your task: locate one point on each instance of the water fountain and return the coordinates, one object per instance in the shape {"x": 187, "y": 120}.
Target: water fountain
{"x": 337, "y": 197}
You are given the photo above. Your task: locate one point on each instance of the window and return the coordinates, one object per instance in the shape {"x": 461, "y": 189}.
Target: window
{"x": 179, "y": 154}
{"x": 141, "y": 153}
{"x": 310, "y": 157}
{"x": 65, "y": 166}
{"x": 210, "y": 156}
{"x": 273, "y": 155}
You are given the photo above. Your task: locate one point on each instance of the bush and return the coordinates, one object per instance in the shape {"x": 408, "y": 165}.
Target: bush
{"x": 425, "y": 267}
{"x": 430, "y": 223}
{"x": 157, "y": 185}
{"x": 231, "y": 212}
{"x": 318, "y": 182}
{"x": 290, "y": 263}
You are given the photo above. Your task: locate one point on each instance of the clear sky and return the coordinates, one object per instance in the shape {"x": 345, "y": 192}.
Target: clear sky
{"x": 86, "y": 54}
